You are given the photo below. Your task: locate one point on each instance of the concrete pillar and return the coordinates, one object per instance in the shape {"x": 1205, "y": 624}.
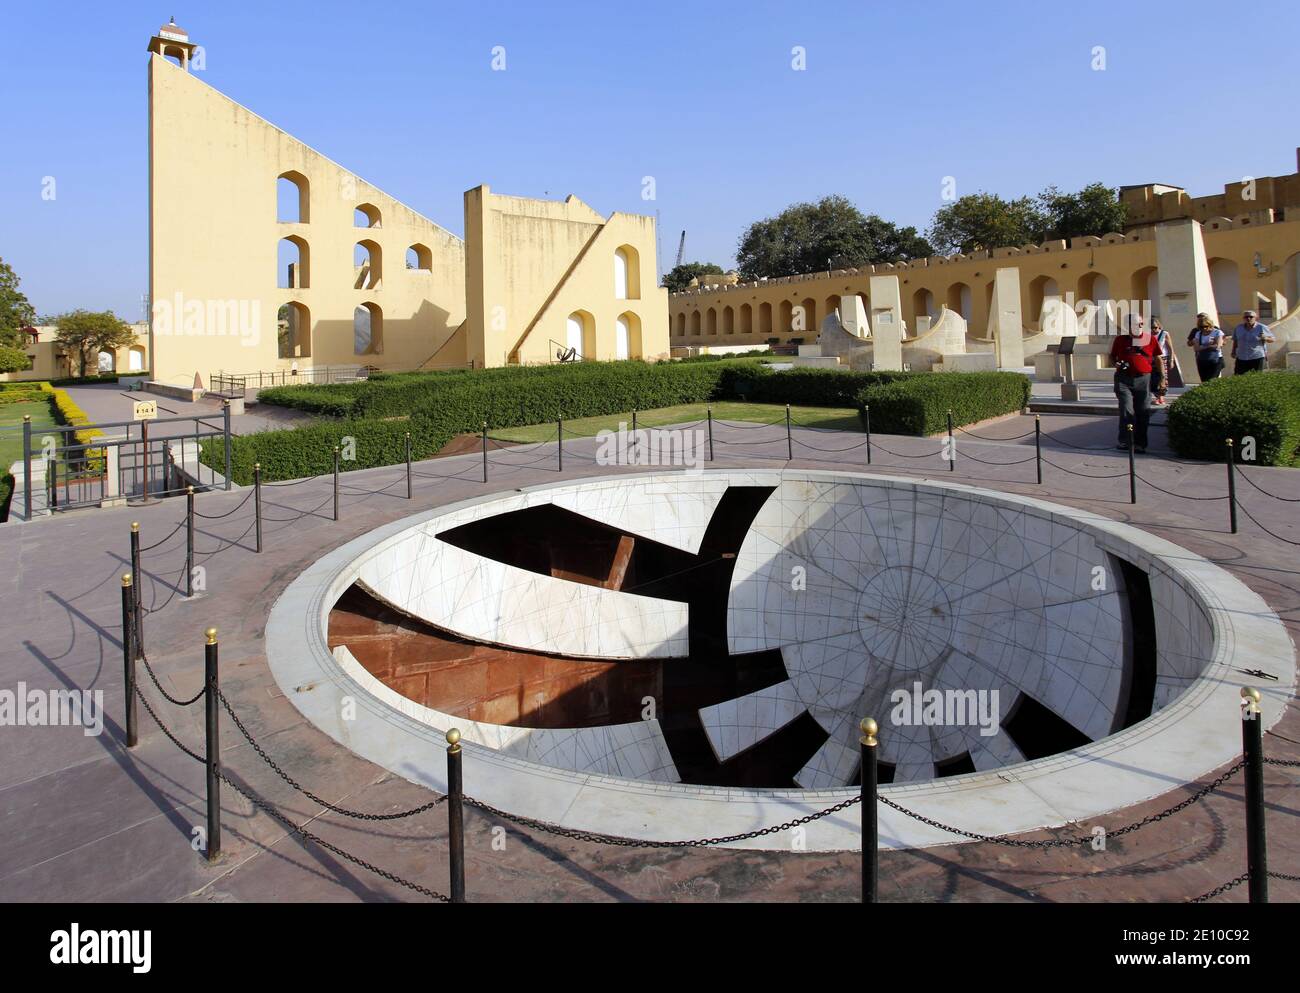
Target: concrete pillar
{"x": 1185, "y": 288}
{"x": 886, "y": 323}
{"x": 1006, "y": 326}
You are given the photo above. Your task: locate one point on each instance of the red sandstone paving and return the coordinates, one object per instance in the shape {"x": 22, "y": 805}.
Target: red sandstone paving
{"x": 85, "y": 820}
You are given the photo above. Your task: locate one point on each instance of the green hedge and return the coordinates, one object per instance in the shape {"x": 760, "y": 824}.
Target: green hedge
{"x": 1261, "y": 405}
{"x": 918, "y": 404}
{"x": 804, "y": 387}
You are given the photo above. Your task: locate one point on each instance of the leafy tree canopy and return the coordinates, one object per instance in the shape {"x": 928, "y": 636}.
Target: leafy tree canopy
{"x": 984, "y": 220}
{"x": 13, "y": 359}
{"x": 15, "y": 310}
{"x": 829, "y": 234}
{"x": 89, "y": 332}
{"x": 679, "y": 277}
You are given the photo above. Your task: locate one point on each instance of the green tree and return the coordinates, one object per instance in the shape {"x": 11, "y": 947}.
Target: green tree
{"x": 13, "y": 359}
{"x": 980, "y": 221}
{"x": 15, "y": 310}
{"x": 89, "y": 332}
{"x": 1096, "y": 209}
{"x": 679, "y": 277}
{"x": 829, "y": 234}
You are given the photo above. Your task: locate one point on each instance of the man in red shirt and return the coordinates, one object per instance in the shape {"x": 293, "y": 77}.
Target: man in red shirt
{"x": 1135, "y": 356}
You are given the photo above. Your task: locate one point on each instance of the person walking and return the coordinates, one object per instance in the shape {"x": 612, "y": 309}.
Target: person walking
{"x": 1169, "y": 373}
{"x": 1207, "y": 341}
{"x": 1136, "y": 355}
{"x": 1250, "y": 341}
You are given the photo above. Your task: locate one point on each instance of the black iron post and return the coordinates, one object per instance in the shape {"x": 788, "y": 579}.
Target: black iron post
{"x": 1232, "y": 486}
{"x": 27, "y": 466}
{"x": 225, "y": 428}
{"x": 144, "y": 441}
{"x": 559, "y": 443}
{"x": 257, "y": 502}
{"x": 710, "y": 413}
{"x": 866, "y": 421}
{"x": 485, "y": 451}
{"x": 212, "y": 702}
{"x": 1038, "y": 447}
{"x": 408, "y": 465}
{"x": 1253, "y": 751}
{"x": 635, "y": 439}
{"x": 189, "y": 541}
{"x": 455, "y": 816}
{"x": 136, "y": 612}
{"x": 128, "y": 660}
{"x": 870, "y": 824}
{"x": 789, "y": 441}
{"x": 952, "y": 446}
{"x": 336, "y": 482}
{"x": 1132, "y": 469}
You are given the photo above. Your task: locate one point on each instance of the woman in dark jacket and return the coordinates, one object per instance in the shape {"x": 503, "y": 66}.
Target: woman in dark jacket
{"x": 1207, "y": 340}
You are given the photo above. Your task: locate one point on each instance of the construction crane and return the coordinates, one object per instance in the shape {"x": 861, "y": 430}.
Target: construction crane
{"x": 681, "y": 247}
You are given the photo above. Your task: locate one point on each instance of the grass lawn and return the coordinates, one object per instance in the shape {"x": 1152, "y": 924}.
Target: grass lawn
{"x": 840, "y": 418}
{"x": 11, "y": 428}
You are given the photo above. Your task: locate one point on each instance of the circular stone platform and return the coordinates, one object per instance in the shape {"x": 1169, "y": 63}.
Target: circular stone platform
{"x": 944, "y": 582}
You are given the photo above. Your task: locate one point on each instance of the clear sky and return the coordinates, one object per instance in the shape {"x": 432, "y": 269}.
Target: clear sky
{"x": 1001, "y": 96}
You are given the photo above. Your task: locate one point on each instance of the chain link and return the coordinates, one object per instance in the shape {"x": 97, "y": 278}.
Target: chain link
{"x": 1001, "y": 839}
{"x": 621, "y": 842}
{"x": 167, "y": 696}
{"x": 358, "y": 815}
{"x": 1220, "y": 889}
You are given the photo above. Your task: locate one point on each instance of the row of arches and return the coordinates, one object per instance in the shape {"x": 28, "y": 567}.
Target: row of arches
{"x": 580, "y": 335}
{"x": 293, "y": 263}
{"x": 294, "y": 337}
{"x": 107, "y": 360}
{"x": 961, "y": 297}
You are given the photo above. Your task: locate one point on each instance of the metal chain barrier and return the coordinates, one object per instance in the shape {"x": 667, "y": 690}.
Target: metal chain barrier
{"x": 1085, "y": 475}
{"x": 358, "y": 815}
{"x": 232, "y": 510}
{"x": 1016, "y": 437}
{"x": 1221, "y": 889}
{"x": 1241, "y": 474}
{"x": 1001, "y": 839}
{"x": 1180, "y": 496}
{"x": 621, "y": 842}
{"x": 163, "y": 541}
{"x": 167, "y": 696}
{"x": 1271, "y": 534}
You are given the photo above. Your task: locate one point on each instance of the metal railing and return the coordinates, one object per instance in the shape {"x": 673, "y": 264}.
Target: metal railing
{"x": 91, "y": 465}
{"x": 234, "y": 385}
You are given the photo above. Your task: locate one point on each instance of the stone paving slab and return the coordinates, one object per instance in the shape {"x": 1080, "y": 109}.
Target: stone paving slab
{"x": 89, "y": 821}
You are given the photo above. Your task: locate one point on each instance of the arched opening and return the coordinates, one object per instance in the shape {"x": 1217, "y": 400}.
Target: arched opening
{"x": 728, "y": 320}
{"x": 135, "y": 359}
{"x": 580, "y": 334}
{"x": 832, "y": 305}
{"x": 627, "y": 336}
{"x": 368, "y": 264}
{"x": 366, "y": 215}
{"x": 1291, "y": 281}
{"x": 805, "y": 319}
{"x": 367, "y": 330}
{"x": 1144, "y": 288}
{"x": 960, "y": 301}
{"x": 923, "y": 305}
{"x": 1041, "y": 290}
{"x": 292, "y": 198}
{"x": 679, "y": 323}
{"x": 786, "y": 315}
{"x": 107, "y": 362}
{"x": 1226, "y": 281}
{"x": 711, "y": 321}
{"x": 627, "y": 273}
{"x": 292, "y": 269}
{"x": 764, "y": 318}
{"x": 695, "y": 322}
{"x": 293, "y": 331}
{"x": 746, "y": 319}
{"x": 1094, "y": 290}
{"x": 419, "y": 258}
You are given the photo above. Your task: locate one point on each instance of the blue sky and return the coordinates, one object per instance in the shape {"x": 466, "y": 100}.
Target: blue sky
{"x": 1002, "y": 96}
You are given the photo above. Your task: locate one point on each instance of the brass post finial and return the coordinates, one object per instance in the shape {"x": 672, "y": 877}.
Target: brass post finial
{"x": 1228, "y": 442}
{"x": 1250, "y": 699}
{"x": 189, "y": 489}
{"x": 135, "y": 526}
{"x": 27, "y": 418}
{"x": 453, "y": 740}
{"x": 126, "y": 579}
{"x": 257, "y": 466}
{"x": 211, "y": 634}
{"x": 869, "y": 731}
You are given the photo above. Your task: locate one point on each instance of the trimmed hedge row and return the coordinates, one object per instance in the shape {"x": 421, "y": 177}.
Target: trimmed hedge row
{"x": 1260, "y": 405}
{"x": 803, "y": 387}
{"x": 918, "y": 404}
